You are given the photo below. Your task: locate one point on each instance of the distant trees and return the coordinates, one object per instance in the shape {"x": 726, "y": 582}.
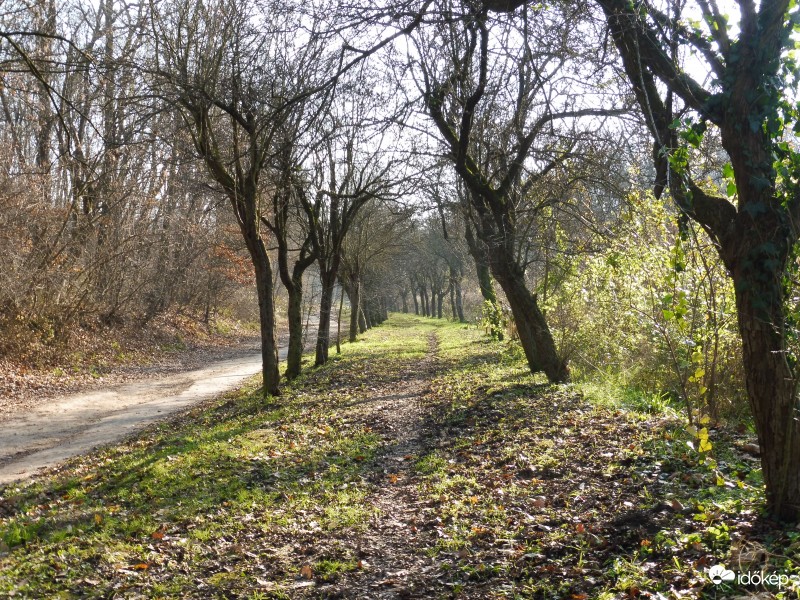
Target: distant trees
{"x": 102, "y": 225}
{"x": 353, "y": 169}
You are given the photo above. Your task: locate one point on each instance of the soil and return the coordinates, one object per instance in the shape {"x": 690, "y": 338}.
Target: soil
{"x": 44, "y": 432}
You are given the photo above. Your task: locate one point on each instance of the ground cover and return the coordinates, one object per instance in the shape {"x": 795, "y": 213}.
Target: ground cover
{"x": 423, "y": 462}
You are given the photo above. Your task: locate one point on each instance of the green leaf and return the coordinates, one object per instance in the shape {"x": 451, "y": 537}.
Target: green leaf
{"x": 727, "y": 171}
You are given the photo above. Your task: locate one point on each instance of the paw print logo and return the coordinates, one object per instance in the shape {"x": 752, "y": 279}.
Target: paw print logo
{"x": 718, "y": 573}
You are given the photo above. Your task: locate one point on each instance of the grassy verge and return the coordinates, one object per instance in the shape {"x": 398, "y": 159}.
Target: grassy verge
{"x": 543, "y": 492}
{"x": 520, "y": 489}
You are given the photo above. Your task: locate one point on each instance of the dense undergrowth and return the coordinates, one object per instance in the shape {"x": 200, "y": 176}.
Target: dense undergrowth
{"x": 509, "y": 488}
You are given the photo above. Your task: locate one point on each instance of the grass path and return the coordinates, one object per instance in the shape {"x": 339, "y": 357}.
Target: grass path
{"x": 424, "y": 462}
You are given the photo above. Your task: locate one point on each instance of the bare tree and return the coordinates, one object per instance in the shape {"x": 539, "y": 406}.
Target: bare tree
{"x": 235, "y": 70}
{"x": 507, "y": 112}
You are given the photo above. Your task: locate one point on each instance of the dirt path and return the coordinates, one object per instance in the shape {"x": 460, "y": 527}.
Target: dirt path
{"x": 75, "y": 424}
{"x": 392, "y": 552}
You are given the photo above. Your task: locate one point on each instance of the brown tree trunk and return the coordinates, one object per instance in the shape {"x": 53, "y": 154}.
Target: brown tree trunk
{"x": 328, "y": 280}
{"x": 534, "y": 333}
{"x": 771, "y": 383}
{"x": 459, "y": 303}
{"x": 478, "y": 252}
{"x": 266, "y": 313}
{"x": 362, "y": 321}
{"x": 367, "y": 312}
{"x": 294, "y": 354}
{"x": 339, "y": 321}
{"x": 354, "y": 293}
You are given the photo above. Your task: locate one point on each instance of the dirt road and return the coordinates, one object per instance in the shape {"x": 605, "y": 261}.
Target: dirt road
{"x": 75, "y": 424}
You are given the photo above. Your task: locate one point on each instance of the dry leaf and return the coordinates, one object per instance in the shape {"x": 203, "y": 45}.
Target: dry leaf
{"x": 307, "y": 572}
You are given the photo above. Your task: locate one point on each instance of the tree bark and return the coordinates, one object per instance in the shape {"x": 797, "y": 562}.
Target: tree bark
{"x": 362, "y": 320}
{"x": 294, "y": 354}
{"x": 339, "y": 321}
{"x": 459, "y": 303}
{"x": 328, "y": 280}
{"x": 266, "y": 313}
{"x": 354, "y": 292}
{"x": 478, "y": 252}
{"x": 534, "y": 333}
{"x": 770, "y": 380}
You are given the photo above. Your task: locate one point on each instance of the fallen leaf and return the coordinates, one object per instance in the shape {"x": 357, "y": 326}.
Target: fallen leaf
{"x": 307, "y": 572}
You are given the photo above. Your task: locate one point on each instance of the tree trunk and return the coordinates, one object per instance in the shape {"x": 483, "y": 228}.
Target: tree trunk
{"x": 404, "y": 296}
{"x": 339, "y": 321}
{"x": 479, "y": 254}
{"x": 354, "y": 293}
{"x": 362, "y": 320}
{"x": 266, "y": 313}
{"x": 459, "y": 303}
{"x": 534, "y": 334}
{"x": 414, "y": 298}
{"x": 439, "y": 301}
{"x": 771, "y": 384}
{"x": 295, "y": 316}
{"x": 426, "y": 311}
{"x": 328, "y": 280}
{"x": 367, "y": 312}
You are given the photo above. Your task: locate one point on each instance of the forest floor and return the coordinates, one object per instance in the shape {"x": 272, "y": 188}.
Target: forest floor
{"x": 422, "y": 462}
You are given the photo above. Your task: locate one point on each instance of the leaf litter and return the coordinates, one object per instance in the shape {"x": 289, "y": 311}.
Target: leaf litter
{"x": 422, "y": 463}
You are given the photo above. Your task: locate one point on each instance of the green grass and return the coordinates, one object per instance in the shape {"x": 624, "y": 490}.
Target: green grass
{"x": 236, "y": 469}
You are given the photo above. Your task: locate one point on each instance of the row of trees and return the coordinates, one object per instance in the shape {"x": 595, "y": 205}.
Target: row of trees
{"x": 523, "y": 147}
